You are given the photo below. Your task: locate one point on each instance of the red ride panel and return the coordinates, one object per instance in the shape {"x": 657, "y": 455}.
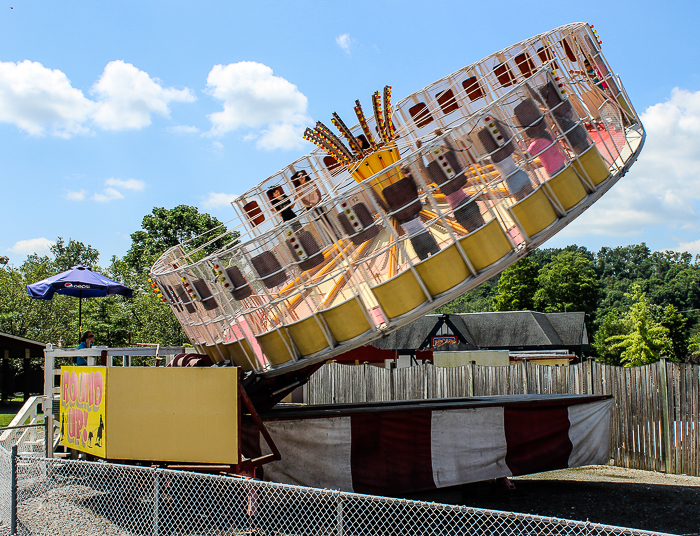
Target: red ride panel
{"x": 537, "y": 439}
{"x": 391, "y": 452}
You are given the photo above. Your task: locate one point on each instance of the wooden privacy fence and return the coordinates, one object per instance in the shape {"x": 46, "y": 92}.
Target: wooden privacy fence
{"x": 655, "y": 420}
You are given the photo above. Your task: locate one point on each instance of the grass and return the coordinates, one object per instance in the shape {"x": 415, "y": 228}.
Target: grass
{"x": 5, "y": 418}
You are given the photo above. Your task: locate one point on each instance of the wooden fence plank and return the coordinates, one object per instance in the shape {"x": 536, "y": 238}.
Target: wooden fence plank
{"x": 695, "y": 418}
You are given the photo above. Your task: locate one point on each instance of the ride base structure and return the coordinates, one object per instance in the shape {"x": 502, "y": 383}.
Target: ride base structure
{"x": 382, "y": 223}
{"x": 161, "y": 415}
{"x": 200, "y": 419}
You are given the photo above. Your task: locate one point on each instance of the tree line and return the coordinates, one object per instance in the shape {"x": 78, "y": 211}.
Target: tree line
{"x": 116, "y": 321}
{"x": 640, "y": 305}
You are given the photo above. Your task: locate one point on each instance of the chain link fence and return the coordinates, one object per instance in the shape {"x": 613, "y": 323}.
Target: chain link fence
{"x": 53, "y": 496}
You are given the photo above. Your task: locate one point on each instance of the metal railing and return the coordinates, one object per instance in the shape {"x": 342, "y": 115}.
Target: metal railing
{"x": 94, "y": 358}
{"x": 30, "y": 439}
{"x": 42, "y": 496}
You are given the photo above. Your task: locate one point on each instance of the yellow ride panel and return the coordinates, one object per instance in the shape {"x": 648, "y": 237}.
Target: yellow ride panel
{"x": 213, "y": 353}
{"x": 567, "y": 188}
{"x": 346, "y": 321}
{"x": 443, "y": 271}
{"x": 184, "y": 415}
{"x": 240, "y": 353}
{"x": 485, "y": 246}
{"x": 400, "y": 295}
{"x": 535, "y": 212}
{"x": 592, "y": 165}
{"x": 275, "y": 347}
{"x": 308, "y": 336}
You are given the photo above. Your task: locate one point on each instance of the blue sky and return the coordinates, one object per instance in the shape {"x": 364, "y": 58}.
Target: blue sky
{"x": 110, "y": 109}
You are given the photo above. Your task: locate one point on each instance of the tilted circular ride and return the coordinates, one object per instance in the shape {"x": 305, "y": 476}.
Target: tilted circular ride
{"x": 408, "y": 209}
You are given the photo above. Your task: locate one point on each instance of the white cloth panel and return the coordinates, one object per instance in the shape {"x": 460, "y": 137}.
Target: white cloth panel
{"x": 468, "y": 445}
{"x": 589, "y": 432}
{"x": 315, "y": 453}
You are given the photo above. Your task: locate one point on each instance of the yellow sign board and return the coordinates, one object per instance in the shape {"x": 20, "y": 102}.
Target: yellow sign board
{"x": 164, "y": 414}
{"x": 83, "y": 408}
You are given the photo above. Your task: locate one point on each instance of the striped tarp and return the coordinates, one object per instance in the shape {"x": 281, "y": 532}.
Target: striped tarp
{"x": 399, "y": 447}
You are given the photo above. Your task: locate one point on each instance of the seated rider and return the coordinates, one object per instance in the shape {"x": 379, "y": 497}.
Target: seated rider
{"x": 310, "y": 195}
{"x": 281, "y": 203}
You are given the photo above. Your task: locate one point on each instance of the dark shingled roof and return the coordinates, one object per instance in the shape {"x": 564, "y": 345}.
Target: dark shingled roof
{"x": 408, "y": 337}
{"x": 17, "y": 345}
{"x": 499, "y": 330}
{"x": 569, "y": 330}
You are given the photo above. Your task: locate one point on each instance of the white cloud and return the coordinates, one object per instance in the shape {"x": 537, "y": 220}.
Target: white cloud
{"x": 128, "y": 96}
{"x": 113, "y": 190}
{"x": 281, "y": 136}
{"x": 77, "y": 195}
{"x": 344, "y": 41}
{"x": 40, "y": 246}
{"x": 128, "y": 184}
{"x": 690, "y": 247}
{"x": 108, "y": 194}
{"x": 215, "y": 200}
{"x": 217, "y": 148}
{"x": 256, "y": 99}
{"x": 663, "y": 186}
{"x": 183, "y": 129}
{"x": 39, "y": 100}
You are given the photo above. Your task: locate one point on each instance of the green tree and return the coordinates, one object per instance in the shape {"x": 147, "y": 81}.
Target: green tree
{"x": 612, "y": 325}
{"x": 477, "y": 300}
{"x": 647, "y": 340}
{"x": 618, "y": 269}
{"x": 165, "y": 228}
{"x": 694, "y": 348}
{"x": 675, "y": 323}
{"x": 68, "y": 255}
{"x": 567, "y": 284}
{"x": 543, "y": 256}
{"x": 40, "y": 320}
{"x": 517, "y": 287}
{"x": 679, "y": 286}
{"x": 148, "y": 318}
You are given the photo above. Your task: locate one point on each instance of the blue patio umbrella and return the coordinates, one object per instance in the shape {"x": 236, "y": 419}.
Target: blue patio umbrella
{"x": 81, "y": 282}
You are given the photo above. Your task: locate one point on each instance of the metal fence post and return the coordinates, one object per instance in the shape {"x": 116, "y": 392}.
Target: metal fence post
{"x": 48, "y": 437}
{"x": 13, "y": 491}
{"x": 340, "y": 515}
{"x": 156, "y": 500}
{"x": 49, "y": 380}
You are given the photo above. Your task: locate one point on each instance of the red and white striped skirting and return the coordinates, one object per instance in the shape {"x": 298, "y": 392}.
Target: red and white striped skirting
{"x": 390, "y": 448}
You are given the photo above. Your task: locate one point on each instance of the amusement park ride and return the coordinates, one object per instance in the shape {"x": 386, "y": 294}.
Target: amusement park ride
{"x": 408, "y": 209}
{"x": 414, "y": 205}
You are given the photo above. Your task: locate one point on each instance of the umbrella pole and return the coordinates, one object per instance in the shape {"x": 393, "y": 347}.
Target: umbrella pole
{"x": 80, "y": 315}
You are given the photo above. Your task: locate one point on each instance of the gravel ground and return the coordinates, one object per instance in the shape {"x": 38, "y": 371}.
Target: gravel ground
{"x": 601, "y": 494}
{"x": 61, "y": 512}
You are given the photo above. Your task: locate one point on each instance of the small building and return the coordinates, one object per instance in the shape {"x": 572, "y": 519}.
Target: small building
{"x": 485, "y": 358}
{"x": 551, "y": 338}
{"x": 18, "y": 373}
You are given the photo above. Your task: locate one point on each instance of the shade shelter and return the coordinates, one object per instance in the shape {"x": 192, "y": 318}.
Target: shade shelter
{"x": 81, "y": 282}
{"x": 24, "y": 376}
